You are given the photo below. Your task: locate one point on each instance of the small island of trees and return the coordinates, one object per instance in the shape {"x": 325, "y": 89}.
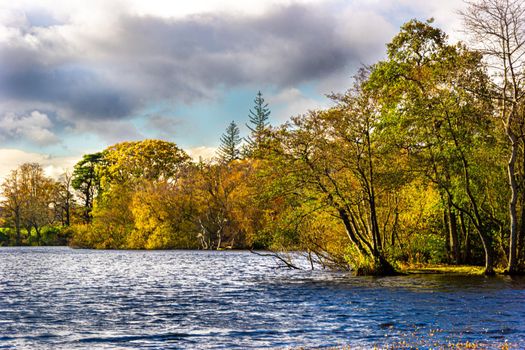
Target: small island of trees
{"x": 421, "y": 161}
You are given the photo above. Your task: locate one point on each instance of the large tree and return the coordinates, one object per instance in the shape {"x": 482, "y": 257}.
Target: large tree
{"x": 430, "y": 111}
{"x": 29, "y": 197}
{"x": 85, "y": 180}
{"x": 129, "y": 174}
{"x": 13, "y": 199}
{"x": 338, "y": 167}
{"x": 129, "y": 162}
{"x": 498, "y": 30}
{"x": 225, "y": 211}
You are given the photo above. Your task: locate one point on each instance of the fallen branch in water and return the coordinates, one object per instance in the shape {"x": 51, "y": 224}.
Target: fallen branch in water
{"x": 288, "y": 264}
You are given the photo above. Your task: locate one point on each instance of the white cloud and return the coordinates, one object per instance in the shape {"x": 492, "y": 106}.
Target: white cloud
{"x": 445, "y": 13}
{"x": 291, "y": 102}
{"x": 35, "y": 127}
{"x": 202, "y": 152}
{"x": 53, "y": 166}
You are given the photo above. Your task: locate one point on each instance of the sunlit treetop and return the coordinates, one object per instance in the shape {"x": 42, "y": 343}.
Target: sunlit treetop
{"x": 148, "y": 160}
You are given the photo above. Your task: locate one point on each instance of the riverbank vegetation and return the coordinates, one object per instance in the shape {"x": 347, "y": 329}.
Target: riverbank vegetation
{"x": 422, "y": 160}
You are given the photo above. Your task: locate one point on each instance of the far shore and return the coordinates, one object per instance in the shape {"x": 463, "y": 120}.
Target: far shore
{"x": 404, "y": 269}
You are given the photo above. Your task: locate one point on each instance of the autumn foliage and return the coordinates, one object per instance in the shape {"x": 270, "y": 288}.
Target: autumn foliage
{"x": 407, "y": 166}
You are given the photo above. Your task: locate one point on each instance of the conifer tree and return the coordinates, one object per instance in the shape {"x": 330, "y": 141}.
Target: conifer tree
{"x": 229, "y": 149}
{"x": 258, "y": 124}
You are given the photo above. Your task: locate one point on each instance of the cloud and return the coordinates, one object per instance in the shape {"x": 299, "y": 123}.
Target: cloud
{"x": 202, "y": 152}
{"x": 165, "y": 127}
{"x": 110, "y": 131}
{"x": 93, "y": 73}
{"x": 98, "y": 66}
{"x": 35, "y": 127}
{"x": 291, "y": 102}
{"x": 53, "y": 166}
{"x": 287, "y": 46}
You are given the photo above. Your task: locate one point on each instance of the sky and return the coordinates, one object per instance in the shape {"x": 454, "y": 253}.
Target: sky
{"x": 77, "y": 76}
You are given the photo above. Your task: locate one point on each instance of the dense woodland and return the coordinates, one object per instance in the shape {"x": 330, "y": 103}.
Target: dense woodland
{"x": 422, "y": 160}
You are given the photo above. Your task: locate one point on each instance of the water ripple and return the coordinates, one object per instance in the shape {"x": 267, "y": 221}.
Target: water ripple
{"x": 59, "y": 298}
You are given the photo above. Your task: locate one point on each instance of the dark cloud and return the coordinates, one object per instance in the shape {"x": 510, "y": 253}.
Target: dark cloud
{"x": 140, "y": 60}
{"x": 285, "y": 47}
{"x": 77, "y": 89}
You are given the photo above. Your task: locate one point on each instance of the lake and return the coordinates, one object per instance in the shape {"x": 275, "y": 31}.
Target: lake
{"x": 61, "y": 298}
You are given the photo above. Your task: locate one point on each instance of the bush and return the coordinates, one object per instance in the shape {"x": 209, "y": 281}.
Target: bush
{"x": 422, "y": 249}
{"x": 5, "y": 236}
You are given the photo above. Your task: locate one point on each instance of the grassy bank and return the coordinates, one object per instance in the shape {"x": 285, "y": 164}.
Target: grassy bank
{"x": 445, "y": 269}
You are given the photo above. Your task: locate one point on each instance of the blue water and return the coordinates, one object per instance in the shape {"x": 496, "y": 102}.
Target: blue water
{"x": 59, "y": 298}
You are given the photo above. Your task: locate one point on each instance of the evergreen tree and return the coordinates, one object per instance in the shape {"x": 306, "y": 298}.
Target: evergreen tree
{"x": 86, "y": 182}
{"x": 258, "y": 124}
{"x": 230, "y": 140}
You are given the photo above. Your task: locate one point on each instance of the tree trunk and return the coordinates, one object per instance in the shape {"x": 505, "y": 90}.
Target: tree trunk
{"x": 521, "y": 232}
{"x": 453, "y": 232}
{"x": 446, "y": 226}
{"x": 394, "y": 226}
{"x": 38, "y": 237}
{"x": 513, "y": 260}
{"x": 28, "y": 230}
{"x": 350, "y": 232}
{"x": 17, "y": 227}
{"x": 375, "y": 226}
{"x": 489, "y": 253}
{"x": 466, "y": 239}
{"x": 384, "y": 268}
{"x": 372, "y": 198}
{"x": 219, "y": 238}
{"x": 489, "y": 261}
{"x": 68, "y": 214}
{"x": 521, "y": 235}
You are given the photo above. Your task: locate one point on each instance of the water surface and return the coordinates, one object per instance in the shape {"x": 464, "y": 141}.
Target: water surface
{"x": 60, "y": 298}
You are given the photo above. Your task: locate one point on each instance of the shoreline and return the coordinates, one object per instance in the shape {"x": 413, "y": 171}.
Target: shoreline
{"x": 404, "y": 269}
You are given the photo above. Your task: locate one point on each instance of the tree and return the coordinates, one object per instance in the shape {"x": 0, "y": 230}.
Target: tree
{"x": 129, "y": 174}
{"x": 86, "y": 181}
{"x": 39, "y": 191}
{"x": 163, "y": 213}
{"x": 431, "y": 112}
{"x": 112, "y": 221}
{"x": 64, "y": 198}
{"x": 223, "y": 204}
{"x": 258, "y": 125}
{"x": 13, "y": 199}
{"x": 498, "y": 29}
{"x": 130, "y": 162}
{"x": 29, "y": 198}
{"x": 338, "y": 166}
{"x": 230, "y": 141}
